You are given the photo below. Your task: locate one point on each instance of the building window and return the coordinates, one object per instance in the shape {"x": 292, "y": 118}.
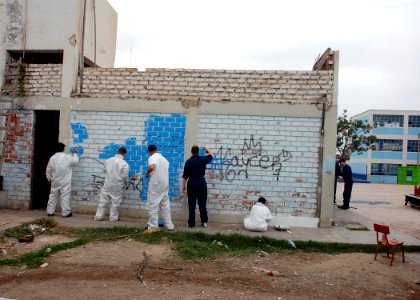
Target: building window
{"x": 388, "y": 145}
{"x": 388, "y": 120}
{"x": 384, "y": 169}
{"x": 413, "y": 121}
{"x": 412, "y": 146}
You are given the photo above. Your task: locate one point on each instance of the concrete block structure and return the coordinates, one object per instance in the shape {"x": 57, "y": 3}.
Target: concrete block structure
{"x": 273, "y": 134}
{"x": 397, "y": 133}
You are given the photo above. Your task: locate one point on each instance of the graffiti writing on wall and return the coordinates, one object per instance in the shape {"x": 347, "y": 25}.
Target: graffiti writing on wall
{"x": 228, "y": 166}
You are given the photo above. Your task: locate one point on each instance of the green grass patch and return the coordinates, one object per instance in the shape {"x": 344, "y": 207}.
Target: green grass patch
{"x": 36, "y": 258}
{"x": 17, "y": 231}
{"x": 191, "y": 245}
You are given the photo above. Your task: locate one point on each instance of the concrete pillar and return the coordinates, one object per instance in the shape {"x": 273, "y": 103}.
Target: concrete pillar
{"x": 328, "y": 156}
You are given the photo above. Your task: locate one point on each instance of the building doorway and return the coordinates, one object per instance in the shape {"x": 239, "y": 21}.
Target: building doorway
{"x": 47, "y": 123}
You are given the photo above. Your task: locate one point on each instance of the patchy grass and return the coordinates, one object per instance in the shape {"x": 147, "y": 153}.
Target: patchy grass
{"x": 26, "y": 229}
{"x": 191, "y": 245}
{"x": 364, "y": 228}
{"x": 17, "y": 231}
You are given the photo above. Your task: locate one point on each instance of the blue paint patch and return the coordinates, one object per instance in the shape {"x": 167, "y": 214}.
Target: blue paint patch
{"x": 169, "y": 140}
{"x": 79, "y": 149}
{"x": 79, "y": 135}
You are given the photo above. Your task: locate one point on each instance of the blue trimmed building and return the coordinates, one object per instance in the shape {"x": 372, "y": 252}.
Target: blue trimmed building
{"x": 397, "y": 133}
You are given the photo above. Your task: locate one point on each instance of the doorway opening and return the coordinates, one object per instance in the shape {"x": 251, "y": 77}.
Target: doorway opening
{"x": 47, "y": 123}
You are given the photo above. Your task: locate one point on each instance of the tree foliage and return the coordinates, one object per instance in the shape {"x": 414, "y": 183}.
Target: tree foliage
{"x": 353, "y": 136}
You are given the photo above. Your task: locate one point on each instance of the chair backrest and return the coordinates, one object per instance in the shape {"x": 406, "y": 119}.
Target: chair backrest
{"x": 381, "y": 229}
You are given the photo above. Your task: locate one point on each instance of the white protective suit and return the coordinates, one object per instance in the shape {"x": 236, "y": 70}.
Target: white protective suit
{"x": 59, "y": 171}
{"x": 157, "y": 195}
{"x": 258, "y": 218}
{"x": 116, "y": 172}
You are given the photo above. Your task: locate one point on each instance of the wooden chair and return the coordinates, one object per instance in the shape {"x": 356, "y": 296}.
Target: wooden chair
{"x": 387, "y": 241}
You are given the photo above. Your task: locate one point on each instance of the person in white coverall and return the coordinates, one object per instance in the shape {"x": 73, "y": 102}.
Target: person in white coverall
{"x": 59, "y": 171}
{"x": 158, "y": 193}
{"x": 116, "y": 172}
{"x": 259, "y": 217}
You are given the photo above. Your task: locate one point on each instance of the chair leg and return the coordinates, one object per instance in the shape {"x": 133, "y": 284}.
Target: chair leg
{"x": 387, "y": 251}
{"x": 393, "y": 252}
{"x": 402, "y": 249}
{"x": 377, "y": 248}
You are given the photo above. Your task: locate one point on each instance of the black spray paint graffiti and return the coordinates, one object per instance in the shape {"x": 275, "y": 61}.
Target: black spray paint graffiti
{"x": 134, "y": 183}
{"x": 97, "y": 181}
{"x": 231, "y": 167}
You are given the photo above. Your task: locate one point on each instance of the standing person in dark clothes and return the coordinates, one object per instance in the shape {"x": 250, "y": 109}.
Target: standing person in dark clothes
{"x": 337, "y": 173}
{"x": 194, "y": 170}
{"x": 346, "y": 173}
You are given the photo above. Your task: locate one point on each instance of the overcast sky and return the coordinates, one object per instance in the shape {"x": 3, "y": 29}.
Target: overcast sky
{"x": 378, "y": 40}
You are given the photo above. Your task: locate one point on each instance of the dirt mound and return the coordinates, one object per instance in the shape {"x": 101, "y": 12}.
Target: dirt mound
{"x": 108, "y": 270}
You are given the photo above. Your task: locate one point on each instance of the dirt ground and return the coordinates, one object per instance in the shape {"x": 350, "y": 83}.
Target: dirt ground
{"x": 108, "y": 270}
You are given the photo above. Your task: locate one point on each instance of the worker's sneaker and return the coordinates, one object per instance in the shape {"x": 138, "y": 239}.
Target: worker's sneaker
{"x": 51, "y": 215}
{"x": 68, "y": 216}
{"x": 205, "y": 225}
{"x": 171, "y": 229}
{"x": 95, "y": 218}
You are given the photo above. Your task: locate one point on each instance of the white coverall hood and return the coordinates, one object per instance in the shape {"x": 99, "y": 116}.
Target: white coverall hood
{"x": 258, "y": 218}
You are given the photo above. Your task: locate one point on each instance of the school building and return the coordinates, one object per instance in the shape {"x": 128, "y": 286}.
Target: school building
{"x": 398, "y": 134}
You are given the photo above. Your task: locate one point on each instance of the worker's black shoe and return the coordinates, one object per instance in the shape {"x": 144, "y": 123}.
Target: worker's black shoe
{"x": 68, "y": 216}
{"x": 343, "y": 207}
{"x": 51, "y": 215}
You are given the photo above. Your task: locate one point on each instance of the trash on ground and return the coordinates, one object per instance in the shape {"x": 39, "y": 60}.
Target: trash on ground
{"x": 292, "y": 244}
{"x": 262, "y": 253}
{"x": 26, "y": 238}
{"x": 44, "y": 265}
{"x": 281, "y": 227}
{"x": 220, "y": 244}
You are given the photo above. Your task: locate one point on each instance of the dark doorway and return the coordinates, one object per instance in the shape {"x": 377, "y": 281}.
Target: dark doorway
{"x": 47, "y": 124}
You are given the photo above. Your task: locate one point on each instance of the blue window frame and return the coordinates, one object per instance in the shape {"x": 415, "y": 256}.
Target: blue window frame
{"x": 388, "y": 120}
{"x": 413, "y": 121}
{"x": 388, "y": 145}
{"x": 384, "y": 169}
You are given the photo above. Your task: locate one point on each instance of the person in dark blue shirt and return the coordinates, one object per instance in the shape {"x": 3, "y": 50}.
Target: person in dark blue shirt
{"x": 346, "y": 173}
{"x": 337, "y": 173}
{"x": 194, "y": 171}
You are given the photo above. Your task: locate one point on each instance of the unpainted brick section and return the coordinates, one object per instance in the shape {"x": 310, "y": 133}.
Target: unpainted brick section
{"x": 43, "y": 80}
{"x": 18, "y": 158}
{"x": 181, "y": 84}
{"x": 274, "y": 157}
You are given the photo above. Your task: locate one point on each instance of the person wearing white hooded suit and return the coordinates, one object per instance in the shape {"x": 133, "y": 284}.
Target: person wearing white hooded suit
{"x": 59, "y": 172}
{"x": 158, "y": 192}
{"x": 259, "y": 217}
{"x": 116, "y": 173}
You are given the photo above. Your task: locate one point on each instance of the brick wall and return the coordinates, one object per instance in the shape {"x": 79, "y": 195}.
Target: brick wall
{"x": 274, "y": 157}
{"x": 42, "y": 80}
{"x": 18, "y": 156}
{"x": 99, "y": 135}
{"x": 181, "y": 84}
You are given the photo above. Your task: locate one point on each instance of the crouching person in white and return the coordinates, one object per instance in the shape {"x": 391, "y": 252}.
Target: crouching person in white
{"x": 259, "y": 217}
{"x": 116, "y": 172}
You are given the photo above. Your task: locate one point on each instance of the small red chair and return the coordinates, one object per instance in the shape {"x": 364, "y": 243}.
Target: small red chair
{"x": 387, "y": 241}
